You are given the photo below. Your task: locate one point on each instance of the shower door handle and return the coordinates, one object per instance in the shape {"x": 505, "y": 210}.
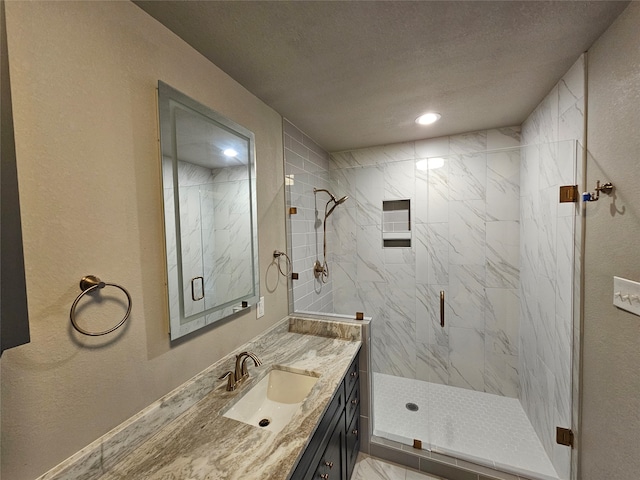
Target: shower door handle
{"x": 442, "y": 308}
{"x": 200, "y": 292}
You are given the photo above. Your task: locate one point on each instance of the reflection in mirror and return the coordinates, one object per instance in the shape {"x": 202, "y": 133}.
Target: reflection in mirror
{"x": 210, "y": 213}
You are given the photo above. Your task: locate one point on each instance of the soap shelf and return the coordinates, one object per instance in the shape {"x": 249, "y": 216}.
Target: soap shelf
{"x": 406, "y": 235}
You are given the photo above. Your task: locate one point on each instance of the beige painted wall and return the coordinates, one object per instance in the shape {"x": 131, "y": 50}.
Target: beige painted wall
{"x": 611, "y": 382}
{"x": 84, "y": 77}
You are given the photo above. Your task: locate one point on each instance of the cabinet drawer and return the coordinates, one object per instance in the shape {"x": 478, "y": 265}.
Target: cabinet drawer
{"x": 352, "y": 377}
{"x": 353, "y": 403}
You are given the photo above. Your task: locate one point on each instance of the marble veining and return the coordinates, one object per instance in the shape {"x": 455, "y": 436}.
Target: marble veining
{"x": 184, "y": 435}
{"x": 465, "y": 221}
{"x": 326, "y": 328}
{"x": 217, "y": 205}
{"x": 369, "y": 468}
{"x": 550, "y": 246}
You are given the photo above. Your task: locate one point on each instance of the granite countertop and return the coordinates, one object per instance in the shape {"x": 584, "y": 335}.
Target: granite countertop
{"x": 200, "y": 443}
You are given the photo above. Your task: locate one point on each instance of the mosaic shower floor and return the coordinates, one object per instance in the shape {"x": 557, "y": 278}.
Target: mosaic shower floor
{"x": 478, "y": 427}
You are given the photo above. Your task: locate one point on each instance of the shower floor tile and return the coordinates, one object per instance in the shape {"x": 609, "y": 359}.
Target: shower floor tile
{"x": 479, "y": 427}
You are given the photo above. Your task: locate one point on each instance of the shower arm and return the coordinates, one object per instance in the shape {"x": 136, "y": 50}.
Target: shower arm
{"x": 316, "y": 190}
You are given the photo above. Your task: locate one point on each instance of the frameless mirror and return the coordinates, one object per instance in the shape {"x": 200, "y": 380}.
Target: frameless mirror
{"x": 208, "y": 167}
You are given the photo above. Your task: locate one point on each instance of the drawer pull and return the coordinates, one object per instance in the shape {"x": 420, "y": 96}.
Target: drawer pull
{"x": 355, "y": 432}
{"x": 354, "y": 401}
{"x": 354, "y": 374}
{"x": 329, "y": 464}
{"x": 324, "y": 476}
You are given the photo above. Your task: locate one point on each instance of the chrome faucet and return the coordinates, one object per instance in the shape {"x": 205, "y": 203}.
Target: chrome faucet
{"x": 241, "y": 372}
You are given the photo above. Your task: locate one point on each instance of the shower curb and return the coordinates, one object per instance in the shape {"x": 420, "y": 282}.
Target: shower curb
{"x": 434, "y": 463}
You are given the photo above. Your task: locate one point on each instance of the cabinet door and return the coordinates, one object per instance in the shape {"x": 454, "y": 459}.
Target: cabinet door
{"x": 352, "y": 440}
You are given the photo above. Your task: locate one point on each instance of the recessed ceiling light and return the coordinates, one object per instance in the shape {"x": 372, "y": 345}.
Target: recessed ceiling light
{"x": 428, "y": 118}
{"x": 230, "y": 152}
{"x": 430, "y": 163}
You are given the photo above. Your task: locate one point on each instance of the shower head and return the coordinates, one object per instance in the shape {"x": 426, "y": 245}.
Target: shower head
{"x": 340, "y": 201}
{"x": 335, "y": 204}
{"x": 336, "y": 201}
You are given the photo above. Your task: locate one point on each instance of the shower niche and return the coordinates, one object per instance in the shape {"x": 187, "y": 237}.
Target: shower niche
{"x": 396, "y": 223}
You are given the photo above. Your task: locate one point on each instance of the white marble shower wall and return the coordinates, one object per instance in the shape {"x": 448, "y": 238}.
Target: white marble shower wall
{"x": 228, "y": 276}
{"x": 307, "y": 166}
{"x": 465, "y": 229}
{"x": 214, "y": 209}
{"x": 192, "y": 225}
{"x": 550, "y": 262}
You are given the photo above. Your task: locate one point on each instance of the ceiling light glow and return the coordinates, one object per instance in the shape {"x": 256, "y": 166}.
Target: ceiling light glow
{"x": 230, "y": 152}
{"x": 428, "y": 118}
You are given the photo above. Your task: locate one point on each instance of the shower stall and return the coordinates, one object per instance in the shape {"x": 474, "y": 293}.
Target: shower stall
{"x": 468, "y": 265}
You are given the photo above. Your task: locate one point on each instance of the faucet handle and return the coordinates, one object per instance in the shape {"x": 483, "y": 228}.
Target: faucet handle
{"x": 231, "y": 380}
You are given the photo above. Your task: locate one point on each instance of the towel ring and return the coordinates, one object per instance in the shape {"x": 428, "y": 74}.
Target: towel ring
{"x": 276, "y": 255}
{"x": 89, "y": 284}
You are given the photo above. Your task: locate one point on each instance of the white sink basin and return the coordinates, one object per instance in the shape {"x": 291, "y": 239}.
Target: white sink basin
{"x": 272, "y": 402}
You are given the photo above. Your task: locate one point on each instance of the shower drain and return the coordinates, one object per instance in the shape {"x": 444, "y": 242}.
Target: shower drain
{"x": 412, "y": 407}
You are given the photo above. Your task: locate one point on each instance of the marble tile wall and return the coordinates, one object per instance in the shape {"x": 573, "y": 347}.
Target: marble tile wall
{"x": 306, "y": 167}
{"x": 190, "y": 178}
{"x": 216, "y": 211}
{"x": 465, "y": 222}
{"x": 227, "y": 274}
{"x": 488, "y": 230}
{"x": 550, "y": 265}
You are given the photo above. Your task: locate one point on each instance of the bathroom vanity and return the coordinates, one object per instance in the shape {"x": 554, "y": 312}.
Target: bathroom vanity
{"x": 332, "y": 451}
{"x": 186, "y": 435}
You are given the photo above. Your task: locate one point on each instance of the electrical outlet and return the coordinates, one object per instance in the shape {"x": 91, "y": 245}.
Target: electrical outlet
{"x": 260, "y": 309}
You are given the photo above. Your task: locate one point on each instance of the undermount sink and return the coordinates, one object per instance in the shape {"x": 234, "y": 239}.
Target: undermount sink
{"x": 271, "y": 403}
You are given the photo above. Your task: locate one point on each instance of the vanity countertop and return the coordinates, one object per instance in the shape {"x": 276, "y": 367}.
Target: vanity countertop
{"x": 200, "y": 443}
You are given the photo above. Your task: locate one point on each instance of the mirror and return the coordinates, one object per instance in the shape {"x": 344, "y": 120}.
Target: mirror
{"x": 209, "y": 188}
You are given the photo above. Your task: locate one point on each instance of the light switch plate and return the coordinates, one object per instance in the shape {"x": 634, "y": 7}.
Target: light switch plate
{"x": 260, "y": 309}
{"x": 626, "y": 295}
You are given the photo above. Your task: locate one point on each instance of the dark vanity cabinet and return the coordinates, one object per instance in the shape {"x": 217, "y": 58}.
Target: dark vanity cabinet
{"x": 333, "y": 449}
{"x": 352, "y": 418}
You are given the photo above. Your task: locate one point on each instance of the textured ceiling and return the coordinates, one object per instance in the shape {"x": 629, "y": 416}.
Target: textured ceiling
{"x": 357, "y": 73}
